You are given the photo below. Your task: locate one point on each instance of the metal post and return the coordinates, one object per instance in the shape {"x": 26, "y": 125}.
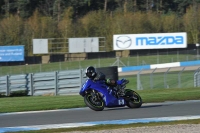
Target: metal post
{"x": 7, "y": 86}
{"x": 79, "y": 64}
{"x": 197, "y": 45}
{"x": 31, "y": 68}
{"x": 151, "y": 78}
{"x": 165, "y": 82}
{"x": 56, "y": 83}
{"x": 99, "y": 61}
{"x": 198, "y": 79}
{"x": 179, "y": 77}
{"x": 128, "y": 61}
{"x": 10, "y": 70}
{"x": 196, "y": 72}
{"x": 1, "y": 71}
{"x": 177, "y": 55}
{"x": 157, "y": 57}
{"x": 40, "y": 67}
{"x": 195, "y": 79}
{"x": 31, "y": 84}
{"x": 117, "y": 62}
{"x": 81, "y": 79}
{"x": 139, "y": 85}
{"x": 60, "y": 65}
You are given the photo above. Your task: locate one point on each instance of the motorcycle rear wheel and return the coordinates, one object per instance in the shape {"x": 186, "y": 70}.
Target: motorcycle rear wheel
{"x": 97, "y": 105}
{"x": 133, "y": 99}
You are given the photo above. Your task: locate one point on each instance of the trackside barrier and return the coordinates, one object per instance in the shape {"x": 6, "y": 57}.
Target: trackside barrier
{"x": 197, "y": 78}
{"x": 54, "y": 83}
{"x": 10, "y": 83}
{"x": 50, "y": 83}
{"x": 70, "y": 81}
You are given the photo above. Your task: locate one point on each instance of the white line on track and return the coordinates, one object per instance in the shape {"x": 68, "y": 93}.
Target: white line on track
{"x": 70, "y": 125}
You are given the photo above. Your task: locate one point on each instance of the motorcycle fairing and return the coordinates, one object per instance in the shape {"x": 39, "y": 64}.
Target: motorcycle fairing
{"x": 108, "y": 97}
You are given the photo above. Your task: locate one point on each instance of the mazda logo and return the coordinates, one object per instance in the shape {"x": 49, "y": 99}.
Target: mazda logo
{"x": 123, "y": 42}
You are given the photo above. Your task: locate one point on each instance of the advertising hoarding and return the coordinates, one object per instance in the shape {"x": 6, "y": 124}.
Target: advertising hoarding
{"x": 40, "y": 46}
{"x": 150, "y": 41}
{"x": 81, "y": 45}
{"x": 11, "y": 53}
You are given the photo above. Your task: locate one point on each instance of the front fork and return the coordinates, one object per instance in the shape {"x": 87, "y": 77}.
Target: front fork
{"x": 95, "y": 95}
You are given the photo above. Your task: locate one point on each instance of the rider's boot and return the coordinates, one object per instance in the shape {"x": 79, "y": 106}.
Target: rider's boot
{"x": 121, "y": 88}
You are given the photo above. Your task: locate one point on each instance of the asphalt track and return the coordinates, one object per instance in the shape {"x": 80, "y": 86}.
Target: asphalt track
{"x": 152, "y": 110}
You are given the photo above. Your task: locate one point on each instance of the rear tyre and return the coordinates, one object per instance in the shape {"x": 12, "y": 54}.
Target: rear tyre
{"x": 96, "y": 105}
{"x": 133, "y": 99}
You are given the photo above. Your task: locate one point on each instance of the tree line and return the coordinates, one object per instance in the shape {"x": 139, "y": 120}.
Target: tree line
{"x": 23, "y": 20}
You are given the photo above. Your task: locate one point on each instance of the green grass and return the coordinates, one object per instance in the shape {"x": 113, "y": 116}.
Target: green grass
{"x": 101, "y": 62}
{"x": 33, "y": 103}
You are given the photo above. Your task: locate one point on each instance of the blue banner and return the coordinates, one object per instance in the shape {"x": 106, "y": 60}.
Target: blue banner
{"x": 11, "y": 53}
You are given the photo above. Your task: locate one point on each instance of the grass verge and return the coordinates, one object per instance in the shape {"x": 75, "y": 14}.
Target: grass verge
{"x": 29, "y": 103}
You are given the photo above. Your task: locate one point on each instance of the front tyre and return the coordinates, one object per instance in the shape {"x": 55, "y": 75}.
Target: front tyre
{"x": 94, "y": 104}
{"x": 133, "y": 99}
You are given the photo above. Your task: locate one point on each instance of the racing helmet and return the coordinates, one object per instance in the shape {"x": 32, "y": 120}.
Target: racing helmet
{"x": 90, "y": 72}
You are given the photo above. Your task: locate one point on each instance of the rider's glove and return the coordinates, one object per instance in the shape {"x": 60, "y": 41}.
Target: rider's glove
{"x": 124, "y": 82}
{"x": 111, "y": 82}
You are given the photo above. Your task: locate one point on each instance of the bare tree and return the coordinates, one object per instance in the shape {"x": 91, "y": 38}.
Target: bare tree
{"x": 57, "y": 10}
{"x": 135, "y": 5}
{"x": 105, "y": 5}
{"x": 125, "y": 6}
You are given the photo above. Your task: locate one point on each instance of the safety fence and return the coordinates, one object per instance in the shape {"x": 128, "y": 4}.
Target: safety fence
{"x": 55, "y": 83}
{"x": 197, "y": 78}
{"x": 137, "y": 59}
{"x": 67, "y": 82}
{"x": 181, "y": 77}
{"x": 70, "y": 81}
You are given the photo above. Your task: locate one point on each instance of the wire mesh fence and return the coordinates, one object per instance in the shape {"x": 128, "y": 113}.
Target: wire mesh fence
{"x": 133, "y": 60}
{"x": 182, "y": 77}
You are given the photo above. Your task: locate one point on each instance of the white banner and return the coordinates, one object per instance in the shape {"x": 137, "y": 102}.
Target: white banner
{"x": 81, "y": 45}
{"x": 150, "y": 41}
{"x": 40, "y": 46}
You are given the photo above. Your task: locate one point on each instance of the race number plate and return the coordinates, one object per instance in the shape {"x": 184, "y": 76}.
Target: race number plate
{"x": 121, "y": 101}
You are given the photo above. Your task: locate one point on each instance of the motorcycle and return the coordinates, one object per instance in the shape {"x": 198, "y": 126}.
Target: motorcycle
{"x": 98, "y": 95}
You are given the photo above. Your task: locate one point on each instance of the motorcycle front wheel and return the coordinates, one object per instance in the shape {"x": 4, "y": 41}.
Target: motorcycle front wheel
{"x": 133, "y": 99}
{"x": 94, "y": 104}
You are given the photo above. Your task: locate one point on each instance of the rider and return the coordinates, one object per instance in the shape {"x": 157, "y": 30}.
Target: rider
{"x": 92, "y": 74}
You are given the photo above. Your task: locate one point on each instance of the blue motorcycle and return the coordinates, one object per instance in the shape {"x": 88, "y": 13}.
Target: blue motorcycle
{"x": 97, "y": 95}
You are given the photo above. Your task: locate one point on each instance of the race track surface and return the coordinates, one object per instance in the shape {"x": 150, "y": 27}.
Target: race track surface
{"x": 166, "y": 109}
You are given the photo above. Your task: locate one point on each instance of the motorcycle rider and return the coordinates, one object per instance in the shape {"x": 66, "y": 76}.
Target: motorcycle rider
{"x": 118, "y": 85}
